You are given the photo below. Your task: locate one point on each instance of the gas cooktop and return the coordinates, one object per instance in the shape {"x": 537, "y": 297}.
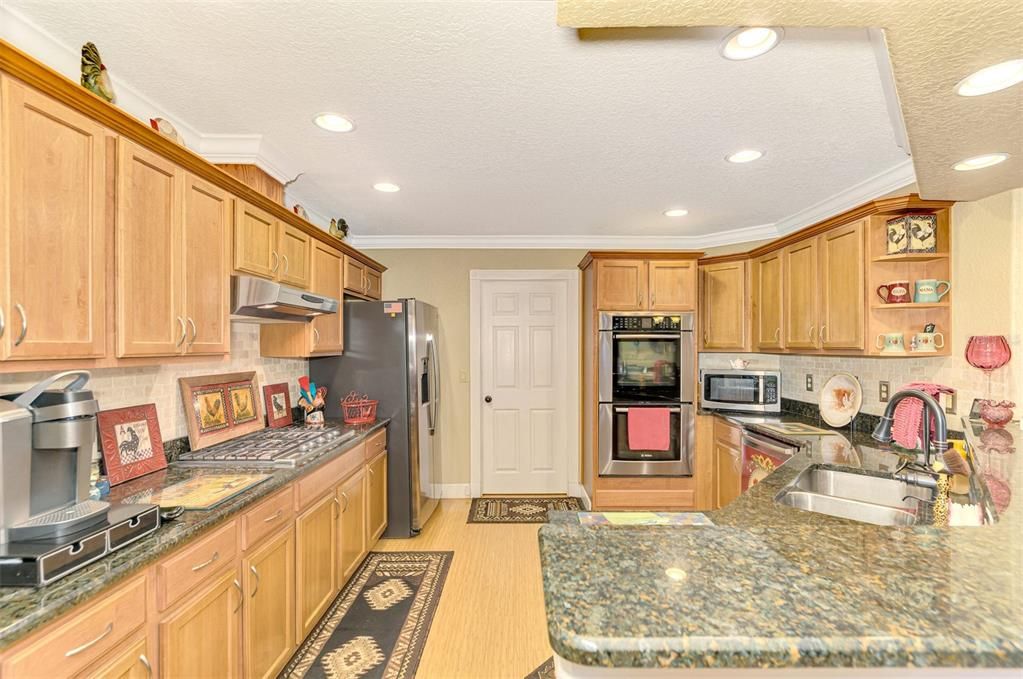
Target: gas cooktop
{"x": 285, "y": 447}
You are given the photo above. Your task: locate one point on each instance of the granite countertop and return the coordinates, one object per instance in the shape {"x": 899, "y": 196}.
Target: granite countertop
{"x": 770, "y": 586}
{"x": 24, "y": 609}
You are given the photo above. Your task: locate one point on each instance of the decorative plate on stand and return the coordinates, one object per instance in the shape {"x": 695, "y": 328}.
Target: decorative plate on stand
{"x": 840, "y": 399}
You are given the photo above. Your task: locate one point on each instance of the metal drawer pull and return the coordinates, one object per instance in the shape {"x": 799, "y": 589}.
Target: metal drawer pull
{"x": 241, "y": 595}
{"x": 24, "y": 324}
{"x": 184, "y": 332}
{"x": 89, "y": 644}
{"x": 255, "y": 573}
{"x": 145, "y": 663}
{"x": 345, "y": 496}
{"x": 195, "y": 331}
{"x": 276, "y": 261}
{"x": 204, "y": 564}
{"x": 271, "y": 519}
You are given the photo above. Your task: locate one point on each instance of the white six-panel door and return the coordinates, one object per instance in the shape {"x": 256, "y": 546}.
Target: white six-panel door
{"x": 523, "y": 326}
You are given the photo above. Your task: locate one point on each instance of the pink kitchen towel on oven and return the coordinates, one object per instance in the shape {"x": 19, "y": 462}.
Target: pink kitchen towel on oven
{"x": 649, "y": 428}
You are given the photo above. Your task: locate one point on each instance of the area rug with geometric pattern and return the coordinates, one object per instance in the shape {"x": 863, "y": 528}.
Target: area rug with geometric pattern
{"x": 376, "y": 628}
{"x": 545, "y": 671}
{"x": 520, "y": 509}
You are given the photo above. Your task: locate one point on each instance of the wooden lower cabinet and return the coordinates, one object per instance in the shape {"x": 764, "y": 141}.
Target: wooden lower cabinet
{"x": 201, "y": 638}
{"x": 268, "y": 629}
{"x": 729, "y": 472}
{"x": 376, "y": 503}
{"x": 352, "y": 548}
{"x": 316, "y": 562}
{"x": 132, "y": 662}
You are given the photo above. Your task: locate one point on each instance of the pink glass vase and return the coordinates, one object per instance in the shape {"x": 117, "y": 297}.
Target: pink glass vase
{"x": 996, "y": 413}
{"x": 988, "y": 352}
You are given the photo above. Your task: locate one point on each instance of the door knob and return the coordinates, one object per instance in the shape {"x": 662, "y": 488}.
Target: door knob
{"x": 488, "y": 399}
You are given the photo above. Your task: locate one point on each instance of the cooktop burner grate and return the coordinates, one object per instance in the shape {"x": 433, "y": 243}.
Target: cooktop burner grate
{"x": 284, "y": 447}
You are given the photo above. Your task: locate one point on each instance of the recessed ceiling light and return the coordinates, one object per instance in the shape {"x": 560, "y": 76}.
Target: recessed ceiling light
{"x": 746, "y": 43}
{"x": 744, "y": 156}
{"x": 980, "y": 162}
{"x": 992, "y": 79}
{"x": 676, "y": 212}
{"x": 333, "y": 122}
{"x": 387, "y": 187}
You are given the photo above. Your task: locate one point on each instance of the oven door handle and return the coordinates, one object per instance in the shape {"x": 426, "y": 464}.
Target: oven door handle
{"x": 670, "y": 410}
{"x": 645, "y": 335}
{"x": 768, "y": 445}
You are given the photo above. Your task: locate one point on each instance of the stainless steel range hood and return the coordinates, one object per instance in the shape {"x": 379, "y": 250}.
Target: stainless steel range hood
{"x": 256, "y": 300}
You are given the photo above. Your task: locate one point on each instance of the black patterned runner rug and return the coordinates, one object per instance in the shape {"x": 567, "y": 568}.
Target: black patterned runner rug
{"x": 520, "y": 509}
{"x": 377, "y": 626}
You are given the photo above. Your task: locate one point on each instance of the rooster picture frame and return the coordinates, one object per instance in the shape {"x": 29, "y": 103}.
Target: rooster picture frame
{"x": 130, "y": 442}
{"x": 220, "y": 407}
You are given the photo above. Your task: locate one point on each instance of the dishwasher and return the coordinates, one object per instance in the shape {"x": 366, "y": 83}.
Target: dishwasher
{"x": 761, "y": 455}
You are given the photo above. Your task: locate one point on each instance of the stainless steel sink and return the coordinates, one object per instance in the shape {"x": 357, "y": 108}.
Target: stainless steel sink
{"x": 847, "y": 495}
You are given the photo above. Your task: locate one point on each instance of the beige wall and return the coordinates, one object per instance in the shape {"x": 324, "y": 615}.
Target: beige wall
{"x": 441, "y": 277}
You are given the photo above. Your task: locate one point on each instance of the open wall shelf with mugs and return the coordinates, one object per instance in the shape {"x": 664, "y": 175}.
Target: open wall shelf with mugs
{"x": 909, "y": 284}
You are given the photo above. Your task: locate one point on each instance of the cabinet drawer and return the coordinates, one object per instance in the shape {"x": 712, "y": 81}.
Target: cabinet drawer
{"x": 266, "y": 517}
{"x": 179, "y": 574}
{"x": 328, "y": 476}
{"x": 727, "y": 433}
{"x": 376, "y": 444}
{"x": 84, "y": 638}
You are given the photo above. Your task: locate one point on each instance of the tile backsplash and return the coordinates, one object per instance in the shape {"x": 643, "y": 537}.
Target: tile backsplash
{"x": 119, "y": 387}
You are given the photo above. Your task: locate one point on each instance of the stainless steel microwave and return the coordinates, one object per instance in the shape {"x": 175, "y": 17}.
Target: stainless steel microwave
{"x": 756, "y": 391}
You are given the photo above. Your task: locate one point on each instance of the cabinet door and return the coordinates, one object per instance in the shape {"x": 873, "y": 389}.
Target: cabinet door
{"x": 621, "y": 285}
{"x": 672, "y": 285}
{"x": 767, "y": 298}
{"x": 255, "y": 241}
{"x": 328, "y": 271}
{"x": 56, "y": 184}
{"x": 729, "y": 472}
{"x": 376, "y": 515}
{"x": 352, "y": 494}
{"x": 355, "y": 276}
{"x": 842, "y": 287}
{"x": 293, "y": 245}
{"x": 202, "y": 637}
{"x": 150, "y": 319}
{"x": 316, "y": 563}
{"x": 269, "y": 612}
{"x": 131, "y": 663}
{"x": 801, "y": 295}
{"x": 374, "y": 283}
{"x": 206, "y": 238}
{"x": 723, "y": 306}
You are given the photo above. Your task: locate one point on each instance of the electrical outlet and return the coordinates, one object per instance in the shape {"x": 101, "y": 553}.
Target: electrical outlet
{"x": 882, "y": 392}
{"x": 809, "y": 381}
{"x": 950, "y": 403}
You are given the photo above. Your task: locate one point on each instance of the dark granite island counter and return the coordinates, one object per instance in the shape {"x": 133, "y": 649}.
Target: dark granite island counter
{"x": 769, "y": 586}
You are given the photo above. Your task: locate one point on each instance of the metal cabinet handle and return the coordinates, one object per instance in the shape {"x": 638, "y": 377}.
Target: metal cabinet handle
{"x": 89, "y": 644}
{"x": 145, "y": 663}
{"x": 24, "y": 324}
{"x": 271, "y": 519}
{"x": 824, "y": 333}
{"x": 195, "y": 331}
{"x": 812, "y": 329}
{"x": 256, "y": 574}
{"x": 184, "y": 332}
{"x": 2, "y": 324}
{"x": 287, "y": 265}
{"x": 345, "y": 496}
{"x": 241, "y": 595}
{"x": 777, "y": 335}
{"x": 639, "y": 300}
{"x": 276, "y": 261}
{"x": 337, "y": 506}
{"x": 204, "y": 564}
{"x": 316, "y": 336}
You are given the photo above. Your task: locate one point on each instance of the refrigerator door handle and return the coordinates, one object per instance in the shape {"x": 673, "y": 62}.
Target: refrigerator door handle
{"x": 433, "y": 371}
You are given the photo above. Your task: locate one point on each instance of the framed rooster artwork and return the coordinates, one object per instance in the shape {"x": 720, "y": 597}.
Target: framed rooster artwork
{"x": 220, "y": 407}
{"x": 131, "y": 443}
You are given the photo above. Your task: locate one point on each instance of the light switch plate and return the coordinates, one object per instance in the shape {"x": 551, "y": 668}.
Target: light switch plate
{"x": 882, "y": 391}
{"x": 809, "y": 381}
{"x": 950, "y": 403}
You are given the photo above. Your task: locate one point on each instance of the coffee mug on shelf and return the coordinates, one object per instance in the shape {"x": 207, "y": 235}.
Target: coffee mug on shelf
{"x": 890, "y": 343}
{"x": 896, "y": 292}
{"x": 927, "y": 342}
{"x": 927, "y": 290}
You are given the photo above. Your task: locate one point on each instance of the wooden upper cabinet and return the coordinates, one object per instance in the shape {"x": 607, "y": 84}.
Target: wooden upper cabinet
{"x": 150, "y": 321}
{"x": 767, "y": 300}
{"x": 672, "y": 285}
{"x": 621, "y": 285}
{"x": 374, "y": 283}
{"x": 842, "y": 287}
{"x": 53, "y": 228}
{"x": 294, "y": 251}
{"x": 801, "y": 295}
{"x": 355, "y": 276}
{"x": 206, "y": 242}
{"x": 724, "y": 308}
{"x": 328, "y": 270}
{"x": 255, "y": 241}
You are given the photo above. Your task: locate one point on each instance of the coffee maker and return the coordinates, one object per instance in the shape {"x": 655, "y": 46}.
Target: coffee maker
{"x": 49, "y": 525}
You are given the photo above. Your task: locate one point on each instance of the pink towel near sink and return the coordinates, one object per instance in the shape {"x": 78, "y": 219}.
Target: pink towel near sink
{"x": 649, "y": 428}
{"x": 909, "y": 414}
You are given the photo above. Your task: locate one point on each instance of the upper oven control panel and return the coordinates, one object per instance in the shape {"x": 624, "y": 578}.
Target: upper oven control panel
{"x": 646, "y": 323}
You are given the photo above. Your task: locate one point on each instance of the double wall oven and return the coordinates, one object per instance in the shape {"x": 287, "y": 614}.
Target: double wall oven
{"x": 645, "y": 362}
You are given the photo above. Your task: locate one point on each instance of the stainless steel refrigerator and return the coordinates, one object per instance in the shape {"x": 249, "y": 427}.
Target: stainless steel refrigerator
{"x": 391, "y": 355}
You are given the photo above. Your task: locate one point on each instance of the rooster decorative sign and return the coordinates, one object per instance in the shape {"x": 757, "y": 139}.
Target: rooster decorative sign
{"x": 220, "y": 407}
{"x": 131, "y": 443}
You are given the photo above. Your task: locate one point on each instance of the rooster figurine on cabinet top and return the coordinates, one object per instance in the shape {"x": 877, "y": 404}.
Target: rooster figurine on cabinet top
{"x": 94, "y": 74}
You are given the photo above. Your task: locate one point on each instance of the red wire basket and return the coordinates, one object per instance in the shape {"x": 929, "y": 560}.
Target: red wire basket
{"x": 358, "y": 409}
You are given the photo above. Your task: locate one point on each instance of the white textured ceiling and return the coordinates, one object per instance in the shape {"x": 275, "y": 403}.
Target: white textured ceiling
{"x": 495, "y": 121}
